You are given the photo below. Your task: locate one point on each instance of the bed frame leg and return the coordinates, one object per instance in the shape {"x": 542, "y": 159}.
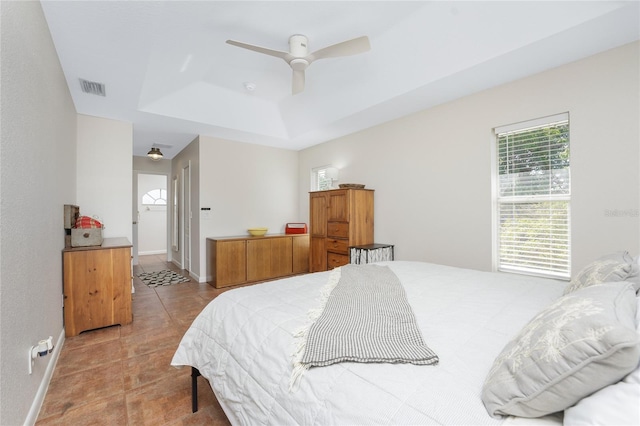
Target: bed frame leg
{"x": 194, "y": 389}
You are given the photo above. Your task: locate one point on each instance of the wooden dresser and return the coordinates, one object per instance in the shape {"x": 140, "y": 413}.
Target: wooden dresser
{"x": 97, "y": 286}
{"x": 239, "y": 260}
{"x": 339, "y": 218}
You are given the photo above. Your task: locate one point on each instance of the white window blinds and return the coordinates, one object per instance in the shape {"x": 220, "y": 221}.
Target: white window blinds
{"x": 533, "y": 197}
{"x": 324, "y": 182}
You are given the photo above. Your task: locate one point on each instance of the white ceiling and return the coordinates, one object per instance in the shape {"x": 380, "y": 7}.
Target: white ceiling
{"x": 168, "y": 70}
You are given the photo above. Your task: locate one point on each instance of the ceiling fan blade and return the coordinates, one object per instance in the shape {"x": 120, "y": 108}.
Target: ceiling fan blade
{"x": 346, "y": 48}
{"x": 278, "y": 54}
{"x": 297, "y": 84}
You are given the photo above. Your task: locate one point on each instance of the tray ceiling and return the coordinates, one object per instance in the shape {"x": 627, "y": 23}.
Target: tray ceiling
{"x": 166, "y": 67}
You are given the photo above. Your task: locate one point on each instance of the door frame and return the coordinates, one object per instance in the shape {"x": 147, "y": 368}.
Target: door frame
{"x": 136, "y": 218}
{"x": 187, "y": 215}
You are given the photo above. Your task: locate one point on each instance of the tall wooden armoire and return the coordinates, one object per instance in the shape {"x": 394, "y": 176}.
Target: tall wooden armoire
{"x": 339, "y": 218}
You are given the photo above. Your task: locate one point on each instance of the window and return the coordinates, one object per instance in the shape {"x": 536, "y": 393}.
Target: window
{"x": 322, "y": 178}
{"x": 155, "y": 197}
{"x": 533, "y": 197}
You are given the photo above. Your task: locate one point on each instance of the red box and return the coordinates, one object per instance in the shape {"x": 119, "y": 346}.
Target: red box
{"x": 295, "y": 228}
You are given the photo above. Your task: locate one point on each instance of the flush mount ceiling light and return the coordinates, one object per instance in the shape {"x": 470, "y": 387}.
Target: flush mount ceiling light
{"x": 154, "y": 154}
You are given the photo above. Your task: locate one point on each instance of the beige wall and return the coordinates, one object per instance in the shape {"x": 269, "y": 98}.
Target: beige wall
{"x": 104, "y": 173}
{"x": 432, "y": 170}
{"x": 37, "y": 177}
{"x": 245, "y": 186}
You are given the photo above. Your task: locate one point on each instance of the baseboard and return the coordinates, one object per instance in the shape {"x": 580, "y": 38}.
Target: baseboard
{"x": 191, "y": 274}
{"x": 32, "y": 416}
{"x": 146, "y": 253}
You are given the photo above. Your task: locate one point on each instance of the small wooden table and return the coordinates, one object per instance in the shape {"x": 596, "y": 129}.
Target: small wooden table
{"x": 369, "y": 253}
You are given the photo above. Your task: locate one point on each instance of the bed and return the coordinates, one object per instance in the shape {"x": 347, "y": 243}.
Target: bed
{"x": 243, "y": 343}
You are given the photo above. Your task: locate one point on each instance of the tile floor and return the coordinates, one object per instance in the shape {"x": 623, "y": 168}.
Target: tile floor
{"x": 121, "y": 375}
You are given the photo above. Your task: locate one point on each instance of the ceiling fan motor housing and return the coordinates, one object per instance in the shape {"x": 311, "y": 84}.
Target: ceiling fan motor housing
{"x": 298, "y": 46}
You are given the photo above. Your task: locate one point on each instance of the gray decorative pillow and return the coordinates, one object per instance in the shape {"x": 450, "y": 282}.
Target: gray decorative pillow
{"x": 582, "y": 342}
{"x": 614, "y": 267}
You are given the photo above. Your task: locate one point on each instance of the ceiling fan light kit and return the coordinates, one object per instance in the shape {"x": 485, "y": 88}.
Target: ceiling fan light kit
{"x": 298, "y": 56}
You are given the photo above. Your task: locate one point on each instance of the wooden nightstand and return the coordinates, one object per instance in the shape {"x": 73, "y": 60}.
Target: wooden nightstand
{"x": 97, "y": 286}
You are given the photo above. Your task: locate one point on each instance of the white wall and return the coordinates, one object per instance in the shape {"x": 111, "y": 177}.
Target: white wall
{"x": 105, "y": 172}
{"x": 432, "y": 170}
{"x": 37, "y": 177}
{"x": 245, "y": 186}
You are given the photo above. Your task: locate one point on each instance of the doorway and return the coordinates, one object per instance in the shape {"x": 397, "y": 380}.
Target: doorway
{"x": 152, "y": 213}
{"x": 186, "y": 224}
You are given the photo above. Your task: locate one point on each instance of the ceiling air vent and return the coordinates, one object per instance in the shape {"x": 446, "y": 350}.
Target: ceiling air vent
{"x": 92, "y": 87}
{"x": 163, "y": 146}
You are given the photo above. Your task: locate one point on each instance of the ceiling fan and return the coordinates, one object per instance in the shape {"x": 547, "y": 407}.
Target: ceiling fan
{"x": 299, "y": 58}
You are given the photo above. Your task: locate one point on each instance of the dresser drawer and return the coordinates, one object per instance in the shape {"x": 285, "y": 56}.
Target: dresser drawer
{"x": 337, "y": 246}
{"x": 335, "y": 260}
{"x": 338, "y": 229}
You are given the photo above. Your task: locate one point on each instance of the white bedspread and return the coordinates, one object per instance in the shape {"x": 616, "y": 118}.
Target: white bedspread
{"x": 242, "y": 343}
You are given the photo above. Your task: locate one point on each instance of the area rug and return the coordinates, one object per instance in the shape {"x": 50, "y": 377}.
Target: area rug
{"x": 160, "y": 278}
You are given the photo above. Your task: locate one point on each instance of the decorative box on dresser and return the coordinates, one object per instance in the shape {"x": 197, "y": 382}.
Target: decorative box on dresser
{"x": 97, "y": 286}
{"x": 239, "y": 260}
{"x": 339, "y": 218}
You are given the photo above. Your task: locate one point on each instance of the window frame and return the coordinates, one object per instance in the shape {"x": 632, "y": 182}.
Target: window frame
{"x": 497, "y": 200}
{"x": 316, "y": 179}
{"x": 161, "y": 192}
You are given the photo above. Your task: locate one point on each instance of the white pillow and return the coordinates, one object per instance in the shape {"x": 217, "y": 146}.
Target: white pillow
{"x": 618, "y": 266}
{"x": 581, "y": 343}
{"x": 617, "y": 404}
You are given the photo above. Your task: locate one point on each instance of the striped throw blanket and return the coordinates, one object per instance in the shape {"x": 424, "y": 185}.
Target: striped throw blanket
{"x": 364, "y": 317}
